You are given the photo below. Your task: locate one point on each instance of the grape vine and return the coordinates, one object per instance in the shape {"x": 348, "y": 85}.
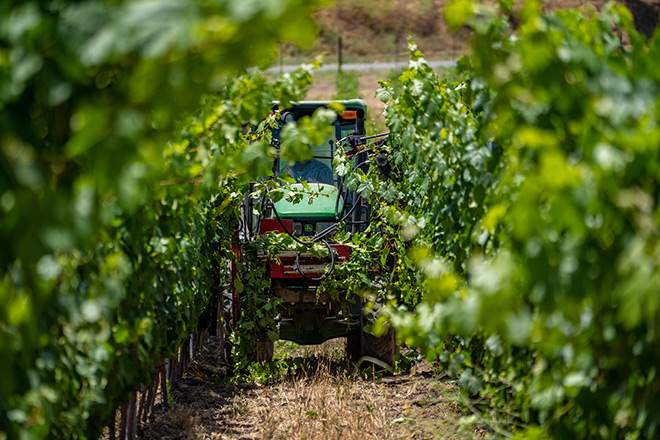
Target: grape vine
{"x": 533, "y": 216}
{"x": 515, "y": 232}
{"x": 122, "y": 159}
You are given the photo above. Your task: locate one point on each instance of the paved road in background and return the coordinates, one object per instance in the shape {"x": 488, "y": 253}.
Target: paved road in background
{"x": 362, "y": 67}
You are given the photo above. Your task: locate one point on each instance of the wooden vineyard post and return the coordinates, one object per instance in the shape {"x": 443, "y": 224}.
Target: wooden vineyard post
{"x": 112, "y": 427}
{"x": 143, "y": 401}
{"x": 151, "y": 393}
{"x": 131, "y": 422}
{"x": 163, "y": 381}
{"x": 174, "y": 372}
{"x": 122, "y": 425}
{"x": 139, "y": 409}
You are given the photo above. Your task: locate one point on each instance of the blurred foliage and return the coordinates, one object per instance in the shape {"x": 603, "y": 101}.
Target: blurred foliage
{"x": 532, "y": 213}
{"x": 119, "y": 184}
{"x": 91, "y": 88}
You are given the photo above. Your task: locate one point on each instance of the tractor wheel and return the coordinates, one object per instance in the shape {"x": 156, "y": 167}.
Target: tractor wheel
{"x": 354, "y": 347}
{"x": 354, "y": 342}
{"x": 265, "y": 351}
{"x": 383, "y": 347}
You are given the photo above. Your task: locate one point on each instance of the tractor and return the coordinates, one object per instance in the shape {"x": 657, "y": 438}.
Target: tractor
{"x": 306, "y": 315}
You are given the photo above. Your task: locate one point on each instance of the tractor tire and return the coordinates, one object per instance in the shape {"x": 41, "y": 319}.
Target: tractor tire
{"x": 354, "y": 342}
{"x": 265, "y": 351}
{"x": 383, "y": 348}
{"x": 354, "y": 347}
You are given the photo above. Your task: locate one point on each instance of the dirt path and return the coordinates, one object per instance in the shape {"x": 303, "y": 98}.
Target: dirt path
{"x": 315, "y": 399}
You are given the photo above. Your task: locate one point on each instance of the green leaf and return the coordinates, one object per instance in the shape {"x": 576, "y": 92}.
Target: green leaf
{"x": 458, "y": 12}
{"x": 238, "y": 285}
{"x": 470, "y": 382}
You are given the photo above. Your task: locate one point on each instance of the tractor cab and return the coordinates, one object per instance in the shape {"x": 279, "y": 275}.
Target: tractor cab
{"x": 325, "y": 210}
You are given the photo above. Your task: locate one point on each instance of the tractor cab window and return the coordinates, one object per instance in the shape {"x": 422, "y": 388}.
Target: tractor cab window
{"x": 320, "y": 168}
{"x": 315, "y": 170}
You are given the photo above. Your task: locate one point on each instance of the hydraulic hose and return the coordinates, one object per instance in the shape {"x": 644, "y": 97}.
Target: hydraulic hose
{"x": 332, "y": 264}
{"x": 321, "y": 236}
{"x": 310, "y": 244}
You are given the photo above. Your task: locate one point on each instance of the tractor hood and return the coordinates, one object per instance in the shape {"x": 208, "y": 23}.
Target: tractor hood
{"x": 318, "y": 202}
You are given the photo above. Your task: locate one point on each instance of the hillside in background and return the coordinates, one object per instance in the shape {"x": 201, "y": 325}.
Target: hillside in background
{"x": 379, "y": 31}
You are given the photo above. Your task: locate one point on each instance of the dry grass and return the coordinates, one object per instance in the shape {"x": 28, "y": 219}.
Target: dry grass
{"x": 321, "y": 403}
{"x": 320, "y": 400}
{"x": 338, "y": 407}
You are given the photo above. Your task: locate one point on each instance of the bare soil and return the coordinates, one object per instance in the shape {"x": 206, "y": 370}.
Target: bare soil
{"x": 379, "y": 31}
{"x": 323, "y": 89}
{"x": 323, "y": 400}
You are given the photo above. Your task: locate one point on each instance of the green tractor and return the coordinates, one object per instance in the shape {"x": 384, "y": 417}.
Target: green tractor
{"x": 307, "y": 316}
